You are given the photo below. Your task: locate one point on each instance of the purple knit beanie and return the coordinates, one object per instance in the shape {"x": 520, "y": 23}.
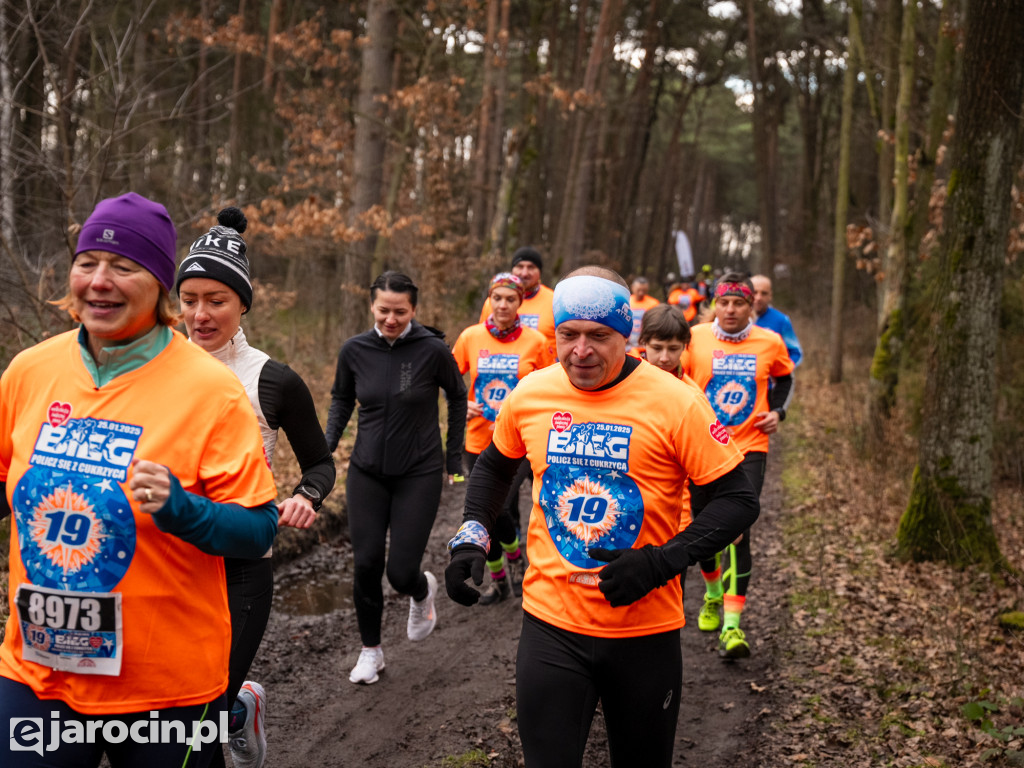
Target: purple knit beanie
{"x": 136, "y": 228}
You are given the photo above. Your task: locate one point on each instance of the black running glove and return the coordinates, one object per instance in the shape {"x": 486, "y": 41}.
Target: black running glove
{"x": 467, "y": 561}
{"x": 630, "y": 573}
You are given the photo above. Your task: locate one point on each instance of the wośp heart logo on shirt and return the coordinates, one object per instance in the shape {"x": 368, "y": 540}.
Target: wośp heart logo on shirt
{"x": 719, "y": 432}
{"x": 58, "y": 413}
{"x": 561, "y": 421}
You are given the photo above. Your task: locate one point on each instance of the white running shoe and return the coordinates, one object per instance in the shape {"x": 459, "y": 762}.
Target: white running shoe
{"x": 249, "y": 744}
{"x": 422, "y": 616}
{"x": 371, "y": 661}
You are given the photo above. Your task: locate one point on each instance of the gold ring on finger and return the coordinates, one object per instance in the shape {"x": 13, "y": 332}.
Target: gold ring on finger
{"x": 149, "y": 494}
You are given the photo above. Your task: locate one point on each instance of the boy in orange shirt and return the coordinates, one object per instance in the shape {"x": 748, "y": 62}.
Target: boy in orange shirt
{"x": 732, "y": 360}
{"x": 663, "y": 337}
{"x": 497, "y": 353}
{"x": 601, "y": 597}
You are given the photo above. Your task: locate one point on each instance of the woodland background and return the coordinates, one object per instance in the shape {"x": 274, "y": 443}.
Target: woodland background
{"x": 813, "y": 141}
{"x": 866, "y": 154}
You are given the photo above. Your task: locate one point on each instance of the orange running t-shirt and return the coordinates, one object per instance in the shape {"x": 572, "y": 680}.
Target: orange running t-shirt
{"x": 734, "y": 376}
{"x": 639, "y": 307}
{"x": 495, "y": 368}
{"x": 691, "y": 305}
{"x": 136, "y": 618}
{"x": 536, "y": 313}
{"x": 609, "y": 469}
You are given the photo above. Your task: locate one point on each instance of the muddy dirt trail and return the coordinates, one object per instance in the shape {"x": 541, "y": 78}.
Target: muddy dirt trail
{"x": 455, "y": 692}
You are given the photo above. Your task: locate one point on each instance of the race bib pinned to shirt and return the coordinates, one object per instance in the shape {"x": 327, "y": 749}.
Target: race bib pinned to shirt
{"x": 78, "y": 632}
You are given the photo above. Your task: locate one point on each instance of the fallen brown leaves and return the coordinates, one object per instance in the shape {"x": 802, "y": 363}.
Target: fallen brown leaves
{"x": 885, "y": 663}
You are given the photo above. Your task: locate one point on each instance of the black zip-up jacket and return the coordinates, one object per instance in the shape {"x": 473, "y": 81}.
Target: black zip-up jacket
{"x": 396, "y": 387}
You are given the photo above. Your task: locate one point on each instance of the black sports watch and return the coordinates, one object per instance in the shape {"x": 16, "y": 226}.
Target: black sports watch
{"x": 312, "y": 494}
{"x": 781, "y": 412}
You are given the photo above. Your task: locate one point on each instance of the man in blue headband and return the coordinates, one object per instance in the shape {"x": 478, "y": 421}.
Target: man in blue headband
{"x": 611, "y": 440}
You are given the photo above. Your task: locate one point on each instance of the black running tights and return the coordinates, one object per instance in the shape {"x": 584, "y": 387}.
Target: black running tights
{"x": 561, "y": 676}
{"x": 753, "y": 466}
{"x": 406, "y": 505}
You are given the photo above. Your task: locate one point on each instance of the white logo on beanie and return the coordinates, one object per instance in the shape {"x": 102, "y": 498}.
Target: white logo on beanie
{"x": 195, "y": 266}
{"x": 108, "y": 235}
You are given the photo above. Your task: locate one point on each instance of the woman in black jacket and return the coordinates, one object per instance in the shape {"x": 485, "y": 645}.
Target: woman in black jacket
{"x": 395, "y": 473}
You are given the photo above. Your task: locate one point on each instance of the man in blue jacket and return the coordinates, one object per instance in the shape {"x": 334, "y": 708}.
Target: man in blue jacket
{"x": 769, "y": 317}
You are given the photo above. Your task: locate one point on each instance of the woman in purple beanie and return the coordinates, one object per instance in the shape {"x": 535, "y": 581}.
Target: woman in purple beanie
{"x": 131, "y": 465}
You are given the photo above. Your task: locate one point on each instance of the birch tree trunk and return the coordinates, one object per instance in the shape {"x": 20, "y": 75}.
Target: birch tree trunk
{"x": 890, "y": 73}
{"x": 949, "y": 514}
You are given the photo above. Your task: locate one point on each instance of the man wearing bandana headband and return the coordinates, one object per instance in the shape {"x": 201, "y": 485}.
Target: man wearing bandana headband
{"x": 611, "y": 441}
{"x": 732, "y": 360}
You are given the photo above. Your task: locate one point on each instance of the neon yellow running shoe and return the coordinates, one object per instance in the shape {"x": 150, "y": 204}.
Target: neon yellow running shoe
{"x": 732, "y": 644}
{"x": 708, "y": 619}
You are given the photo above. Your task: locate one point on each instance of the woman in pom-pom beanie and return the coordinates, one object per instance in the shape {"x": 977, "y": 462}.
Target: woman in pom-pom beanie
{"x": 214, "y": 288}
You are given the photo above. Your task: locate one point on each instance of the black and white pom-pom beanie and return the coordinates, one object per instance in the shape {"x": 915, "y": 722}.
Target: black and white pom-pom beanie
{"x": 220, "y": 255}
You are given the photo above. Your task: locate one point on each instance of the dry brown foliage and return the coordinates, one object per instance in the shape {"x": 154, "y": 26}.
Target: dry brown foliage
{"x": 886, "y": 659}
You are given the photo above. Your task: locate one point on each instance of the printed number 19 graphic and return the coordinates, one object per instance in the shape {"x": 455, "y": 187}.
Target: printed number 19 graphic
{"x": 70, "y": 528}
{"x": 733, "y": 398}
{"x": 587, "y": 509}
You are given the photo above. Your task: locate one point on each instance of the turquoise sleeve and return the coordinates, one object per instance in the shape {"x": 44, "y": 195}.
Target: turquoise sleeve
{"x": 225, "y": 530}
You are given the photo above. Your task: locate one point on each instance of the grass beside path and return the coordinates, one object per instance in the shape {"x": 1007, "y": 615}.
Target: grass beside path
{"x": 888, "y": 663}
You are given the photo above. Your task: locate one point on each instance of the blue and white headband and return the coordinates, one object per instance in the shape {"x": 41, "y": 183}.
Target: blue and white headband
{"x": 588, "y": 297}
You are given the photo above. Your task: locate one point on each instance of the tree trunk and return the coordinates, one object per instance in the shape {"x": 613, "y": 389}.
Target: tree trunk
{"x": 890, "y": 62}
{"x": 765, "y": 123}
{"x": 938, "y": 120}
{"x": 948, "y": 516}
{"x": 481, "y": 154}
{"x": 370, "y": 145}
{"x": 640, "y": 115}
{"x": 235, "y": 126}
{"x": 657, "y": 236}
{"x": 7, "y": 110}
{"x": 571, "y": 229}
{"x": 835, "y": 346}
{"x": 273, "y": 25}
{"x": 885, "y": 365}
{"x": 495, "y": 153}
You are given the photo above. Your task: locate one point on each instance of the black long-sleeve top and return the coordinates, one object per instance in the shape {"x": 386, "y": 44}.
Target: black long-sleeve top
{"x": 396, "y": 387}
{"x": 288, "y": 405}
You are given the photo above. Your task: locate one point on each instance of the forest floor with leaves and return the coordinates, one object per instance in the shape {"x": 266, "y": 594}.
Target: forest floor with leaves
{"x": 859, "y": 660}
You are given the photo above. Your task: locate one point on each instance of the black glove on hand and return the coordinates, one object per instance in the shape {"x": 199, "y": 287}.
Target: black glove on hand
{"x": 467, "y": 561}
{"x": 630, "y": 573}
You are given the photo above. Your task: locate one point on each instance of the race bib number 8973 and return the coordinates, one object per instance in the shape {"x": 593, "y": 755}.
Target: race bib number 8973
{"x": 76, "y": 632}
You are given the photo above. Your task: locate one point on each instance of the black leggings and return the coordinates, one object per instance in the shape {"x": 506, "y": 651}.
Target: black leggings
{"x": 508, "y": 519}
{"x": 406, "y": 505}
{"x": 560, "y": 677}
{"x": 250, "y": 594}
{"x": 753, "y": 466}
